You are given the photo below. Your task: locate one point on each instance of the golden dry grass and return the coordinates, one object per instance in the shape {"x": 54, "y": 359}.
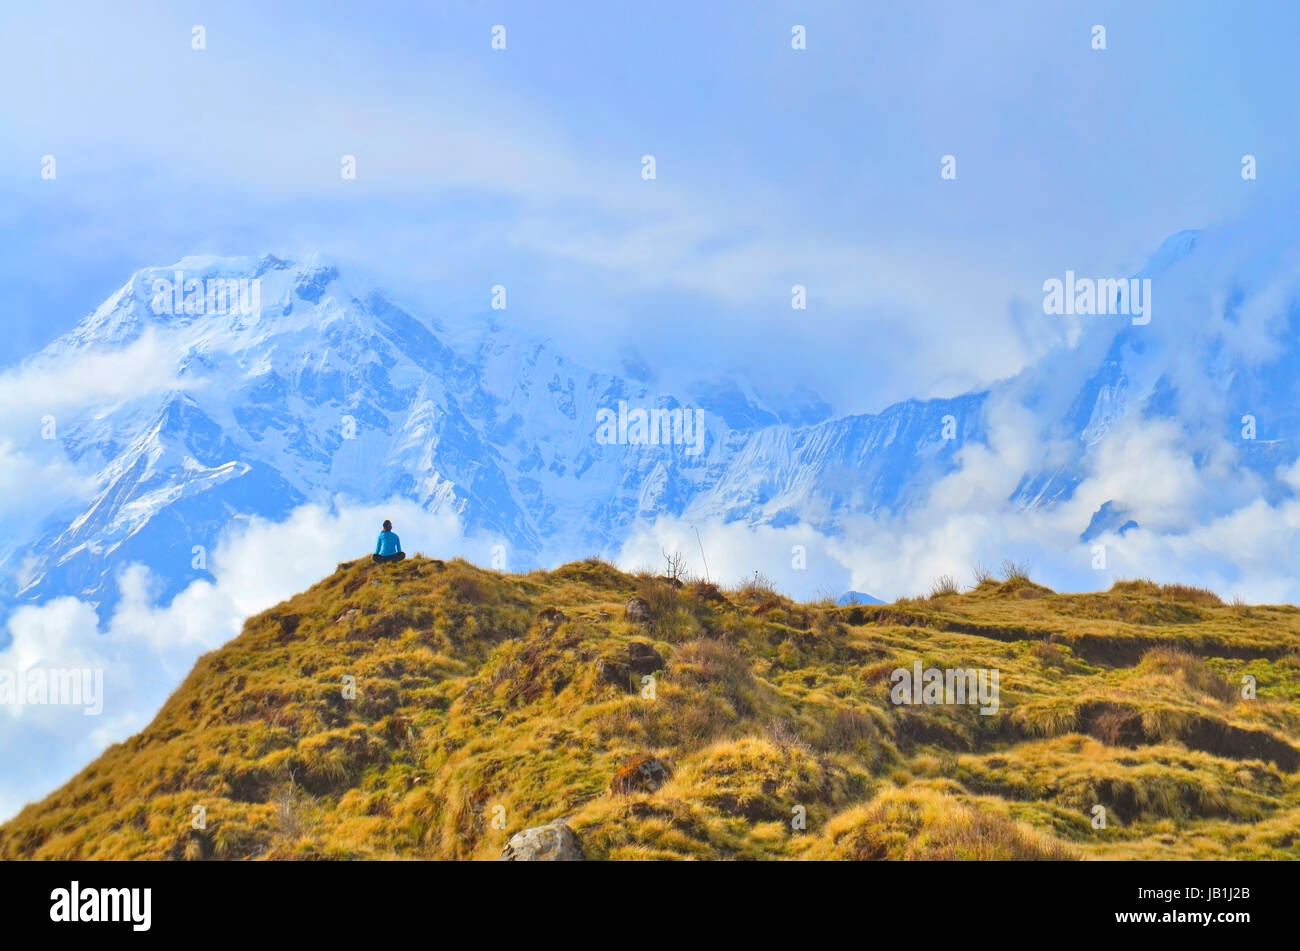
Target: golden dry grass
{"x": 488, "y": 703}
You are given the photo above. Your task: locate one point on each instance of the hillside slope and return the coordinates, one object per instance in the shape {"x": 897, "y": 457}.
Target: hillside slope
{"x": 666, "y": 721}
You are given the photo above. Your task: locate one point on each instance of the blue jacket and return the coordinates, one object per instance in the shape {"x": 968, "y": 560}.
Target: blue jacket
{"x": 388, "y": 544}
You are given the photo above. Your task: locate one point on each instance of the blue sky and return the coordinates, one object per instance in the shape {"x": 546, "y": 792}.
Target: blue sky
{"x": 522, "y": 167}
{"x": 775, "y": 166}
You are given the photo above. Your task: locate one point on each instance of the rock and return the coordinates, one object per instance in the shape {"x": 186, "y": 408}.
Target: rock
{"x": 549, "y": 843}
{"x": 643, "y": 659}
{"x": 708, "y": 592}
{"x": 613, "y": 672}
{"x": 551, "y": 618}
{"x": 637, "y": 610}
{"x": 643, "y": 774}
{"x": 288, "y": 625}
{"x": 625, "y": 671}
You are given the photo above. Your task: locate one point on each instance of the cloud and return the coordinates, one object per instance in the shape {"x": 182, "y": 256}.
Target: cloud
{"x": 1205, "y": 524}
{"x": 35, "y": 483}
{"x": 42, "y": 397}
{"x": 69, "y": 380}
{"x": 731, "y": 553}
{"x": 483, "y": 184}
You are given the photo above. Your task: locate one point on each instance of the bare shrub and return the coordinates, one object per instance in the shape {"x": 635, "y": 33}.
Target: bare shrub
{"x": 1014, "y": 570}
{"x": 943, "y": 586}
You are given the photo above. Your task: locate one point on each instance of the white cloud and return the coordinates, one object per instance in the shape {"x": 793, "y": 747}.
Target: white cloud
{"x": 733, "y": 552}
{"x": 41, "y": 398}
{"x": 75, "y": 380}
{"x": 35, "y": 482}
{"x": 1204, "y": 525}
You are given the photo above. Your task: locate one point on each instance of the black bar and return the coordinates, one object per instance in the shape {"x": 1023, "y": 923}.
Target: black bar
{"x": 218, "y": 900}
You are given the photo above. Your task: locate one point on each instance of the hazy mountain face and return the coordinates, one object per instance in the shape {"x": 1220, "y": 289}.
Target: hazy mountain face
{"x": 296, "y": 383}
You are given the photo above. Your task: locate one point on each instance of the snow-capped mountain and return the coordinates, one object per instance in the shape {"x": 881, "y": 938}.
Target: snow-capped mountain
{"x": 321, "y": 387}
{"x": 326, "y": 388}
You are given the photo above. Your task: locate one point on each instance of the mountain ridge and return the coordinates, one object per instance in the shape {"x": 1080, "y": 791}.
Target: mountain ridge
{"x": 429, "y": 424}
{"x": 434, "y": 709}
{"x": 334, "y": 391}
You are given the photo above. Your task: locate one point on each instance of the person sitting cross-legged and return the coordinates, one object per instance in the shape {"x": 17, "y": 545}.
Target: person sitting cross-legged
{"x": 389, "y": 546}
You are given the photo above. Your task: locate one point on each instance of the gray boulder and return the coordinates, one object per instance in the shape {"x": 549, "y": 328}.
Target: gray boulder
{"x": 637, "y": 610}
{"x": 549, "y": 843}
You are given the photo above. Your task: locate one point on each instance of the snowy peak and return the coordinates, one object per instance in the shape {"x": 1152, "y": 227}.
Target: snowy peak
{"x": 297, "y": 381}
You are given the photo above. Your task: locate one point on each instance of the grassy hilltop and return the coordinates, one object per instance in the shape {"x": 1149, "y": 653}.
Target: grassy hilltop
{"x": 486, "y": 700}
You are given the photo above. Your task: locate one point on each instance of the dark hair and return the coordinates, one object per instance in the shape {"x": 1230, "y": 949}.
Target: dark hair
{"x": 388, "y": 526}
